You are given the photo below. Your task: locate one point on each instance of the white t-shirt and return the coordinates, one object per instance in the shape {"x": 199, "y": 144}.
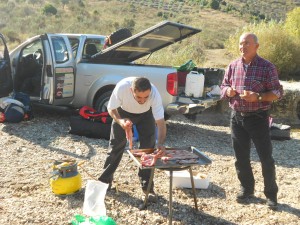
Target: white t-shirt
{"x": 123, "y": 97}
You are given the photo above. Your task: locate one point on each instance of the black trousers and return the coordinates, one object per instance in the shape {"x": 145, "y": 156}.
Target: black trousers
{"x": 256, "y": 128}
{"x": 145, "y": 125}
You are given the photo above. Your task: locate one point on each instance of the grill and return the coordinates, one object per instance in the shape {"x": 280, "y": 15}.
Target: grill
{"x": 177, "y": 164}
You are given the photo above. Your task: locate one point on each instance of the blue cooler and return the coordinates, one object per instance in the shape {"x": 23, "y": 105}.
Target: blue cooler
{"x": 136, "y": 134}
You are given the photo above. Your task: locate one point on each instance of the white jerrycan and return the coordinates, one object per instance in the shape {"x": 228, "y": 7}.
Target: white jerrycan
{"x": 194, "y": 84}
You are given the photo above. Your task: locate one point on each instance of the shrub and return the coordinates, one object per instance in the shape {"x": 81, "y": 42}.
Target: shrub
{"x": 292, "y": 24}
{"x": 159, "y": 14}
{"x": 214, "y": 4}
{"x": 178, "y": 53}
{"x": 49, "y": 9}
{"x": 276, "y": 45}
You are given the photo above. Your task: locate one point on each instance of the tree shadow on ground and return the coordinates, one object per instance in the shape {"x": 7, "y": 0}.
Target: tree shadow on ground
{"x": 46, "y": 128}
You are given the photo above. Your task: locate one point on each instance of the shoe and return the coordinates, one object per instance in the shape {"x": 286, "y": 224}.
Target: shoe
{"x": 152, "y": 197}
{"x": 272, "y": 203}
{"x": 244, "y": 195}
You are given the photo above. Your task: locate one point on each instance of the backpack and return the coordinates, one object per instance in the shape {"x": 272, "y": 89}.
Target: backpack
{"x": 25, "y": 99}
{"x": 117, "y": 36}
{"x": 13, "y": 113}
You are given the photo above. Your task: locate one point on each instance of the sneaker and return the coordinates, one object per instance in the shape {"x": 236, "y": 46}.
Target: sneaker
{"x": 244, "y": 195}
{"x": 152, "y": 197}
{"x": 272, "y": 203}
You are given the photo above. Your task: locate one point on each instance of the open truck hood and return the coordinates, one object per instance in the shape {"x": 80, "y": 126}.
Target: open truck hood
{"x": 145, "y": 42}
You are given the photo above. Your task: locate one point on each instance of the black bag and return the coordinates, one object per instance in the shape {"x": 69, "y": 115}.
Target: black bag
{"x": 89, "y": 128}
{"x": 280, "y": 132}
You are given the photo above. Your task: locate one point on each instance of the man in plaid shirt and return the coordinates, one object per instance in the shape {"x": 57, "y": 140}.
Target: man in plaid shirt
{"x": 251, "y": 84}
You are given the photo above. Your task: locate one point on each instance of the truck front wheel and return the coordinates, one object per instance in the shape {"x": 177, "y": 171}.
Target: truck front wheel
{"x": 102, "y": 101}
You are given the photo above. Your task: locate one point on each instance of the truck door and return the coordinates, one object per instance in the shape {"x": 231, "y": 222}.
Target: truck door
{"x": 6, "y": 83}
{"x": 63, "y": 72}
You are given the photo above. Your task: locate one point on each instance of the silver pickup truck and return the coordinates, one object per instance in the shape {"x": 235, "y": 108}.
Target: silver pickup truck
{"x": 72, "y": 70}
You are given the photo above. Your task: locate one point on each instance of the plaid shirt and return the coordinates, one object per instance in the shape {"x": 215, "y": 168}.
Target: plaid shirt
{"x": 260, "y": 76}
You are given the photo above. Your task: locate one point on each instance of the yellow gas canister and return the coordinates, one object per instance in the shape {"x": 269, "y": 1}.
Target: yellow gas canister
{"x": 65, "y": 179}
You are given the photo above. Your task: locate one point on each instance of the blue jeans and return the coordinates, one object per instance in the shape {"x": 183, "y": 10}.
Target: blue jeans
{"x": 145, "y": 125}
{"x": 256, "y": 128}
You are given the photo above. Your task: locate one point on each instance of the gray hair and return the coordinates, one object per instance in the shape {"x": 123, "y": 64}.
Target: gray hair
{"x": 255, "y": 38}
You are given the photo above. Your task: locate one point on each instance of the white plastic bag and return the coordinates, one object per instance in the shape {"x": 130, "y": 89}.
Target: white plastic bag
{"x": 94, "y": 195}
{"x": 215, "y": 90}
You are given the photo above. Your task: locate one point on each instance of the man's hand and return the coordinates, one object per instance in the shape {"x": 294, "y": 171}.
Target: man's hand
{"x": 126, "y": 124}
{"x": 230, "y": 92}
{"x": 249, "y": 96}
{"x": 162, "y": 131}
{"x": 160, "y": 150}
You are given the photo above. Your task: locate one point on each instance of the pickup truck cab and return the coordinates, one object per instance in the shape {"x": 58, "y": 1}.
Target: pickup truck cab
{"x": 65, "y": 71}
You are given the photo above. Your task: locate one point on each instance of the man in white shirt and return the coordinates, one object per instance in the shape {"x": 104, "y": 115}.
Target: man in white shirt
{"x": 134, "y": 101}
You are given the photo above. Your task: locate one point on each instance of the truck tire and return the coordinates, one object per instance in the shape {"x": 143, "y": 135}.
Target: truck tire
{"x": 102, "y": 101}
{"x": 117, "y": 36}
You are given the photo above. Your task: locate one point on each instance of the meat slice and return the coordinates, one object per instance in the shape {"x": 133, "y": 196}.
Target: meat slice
{"x": 138, "y": 154}
{"x": 178, "y": 154}
{"x": 149, "y": 159}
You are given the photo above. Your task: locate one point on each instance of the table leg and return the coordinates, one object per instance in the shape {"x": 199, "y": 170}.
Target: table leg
{"x": 193, "y": 187}
{"x": 170, "y": 198}
{"x": 148, "y": 189}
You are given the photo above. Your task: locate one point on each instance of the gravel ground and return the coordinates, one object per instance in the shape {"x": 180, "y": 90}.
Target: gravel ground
{"x": 29, "y": 148}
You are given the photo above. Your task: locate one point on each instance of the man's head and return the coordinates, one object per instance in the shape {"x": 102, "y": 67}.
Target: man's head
{"x": 141, "y": 88}
{"x": 248, "y": 46}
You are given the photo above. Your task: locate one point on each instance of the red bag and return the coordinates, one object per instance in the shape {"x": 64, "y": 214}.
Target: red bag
{"x": 91, "y": 114}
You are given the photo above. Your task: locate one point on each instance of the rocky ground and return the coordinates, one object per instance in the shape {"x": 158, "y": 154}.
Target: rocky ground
{"x": 29, "y": 149}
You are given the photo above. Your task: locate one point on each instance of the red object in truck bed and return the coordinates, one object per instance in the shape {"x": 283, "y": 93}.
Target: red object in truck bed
{"x": 182, "y": 77}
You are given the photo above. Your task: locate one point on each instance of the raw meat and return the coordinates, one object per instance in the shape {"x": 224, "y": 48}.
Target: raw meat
{"x": 178, "y": 154}
{"x": 149, "y": 159}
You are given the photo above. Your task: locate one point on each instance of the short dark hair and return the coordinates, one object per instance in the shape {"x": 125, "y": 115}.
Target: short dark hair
{"x": 141, "y": 84}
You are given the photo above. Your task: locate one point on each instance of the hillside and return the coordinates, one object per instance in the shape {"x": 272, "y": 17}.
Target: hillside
{"x": 23, "y": 19}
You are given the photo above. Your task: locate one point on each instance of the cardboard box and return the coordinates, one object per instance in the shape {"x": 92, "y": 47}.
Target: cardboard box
{"x": 181, "y": 179}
